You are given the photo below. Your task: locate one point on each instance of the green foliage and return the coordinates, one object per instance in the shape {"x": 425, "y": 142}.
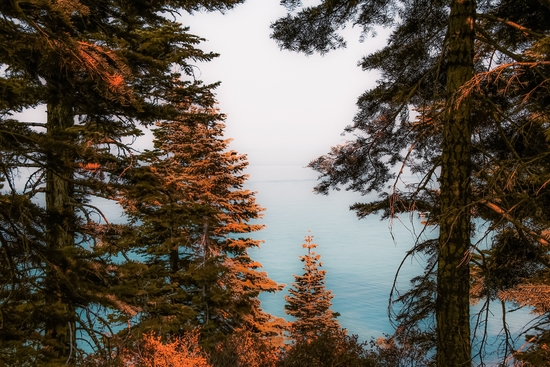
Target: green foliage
{"x": 330, "y": 348}
{"x": 245, "y": 349}
{"x": 405, "y": 124}
{"x": 193, "y": 218}
{"x": 399, "y": 351}
{"x": 309, "y": 301}
{"x": 536, "y": 354}
{"x": 102, "y": 69}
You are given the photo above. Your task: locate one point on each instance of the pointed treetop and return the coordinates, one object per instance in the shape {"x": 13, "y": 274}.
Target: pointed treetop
{"x": 309, "y": 301}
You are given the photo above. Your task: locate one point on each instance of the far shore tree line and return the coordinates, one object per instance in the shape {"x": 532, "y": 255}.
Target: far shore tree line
{"x": 462, "y": 103}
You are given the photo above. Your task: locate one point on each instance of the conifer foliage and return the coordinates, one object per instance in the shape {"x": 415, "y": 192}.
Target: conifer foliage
{"x": 309, "y": 300}
{"x": 101, "y": 69}
{"x": 182, "y": 351}
{"x": 193, "y": 228}
{"x": 476, "y": 74}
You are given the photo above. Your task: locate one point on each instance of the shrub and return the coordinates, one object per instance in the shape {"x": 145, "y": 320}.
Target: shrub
{"x": 181, "y": 351}
{"x": 330, "y": 349}
{"x": 245, "y": 349}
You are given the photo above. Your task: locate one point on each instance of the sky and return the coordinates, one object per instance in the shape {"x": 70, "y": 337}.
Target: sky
{"x": 282, "y": 108}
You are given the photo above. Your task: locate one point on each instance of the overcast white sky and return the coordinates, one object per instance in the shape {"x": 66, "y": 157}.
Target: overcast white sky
{"x": 281, "y": 107}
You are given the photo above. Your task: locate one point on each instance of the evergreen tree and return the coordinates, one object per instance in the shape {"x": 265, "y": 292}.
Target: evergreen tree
{"x": 194, "y": 216}
{"x": 476, "y": 74}
{"x": 309, "y": 301}
{"x": 101, "y": 68}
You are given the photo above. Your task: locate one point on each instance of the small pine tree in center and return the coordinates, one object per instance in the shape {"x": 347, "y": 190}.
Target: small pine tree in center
{"x": 309, "y": 301}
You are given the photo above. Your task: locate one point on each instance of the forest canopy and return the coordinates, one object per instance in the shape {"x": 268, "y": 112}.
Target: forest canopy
{"x": 462, "y": 103}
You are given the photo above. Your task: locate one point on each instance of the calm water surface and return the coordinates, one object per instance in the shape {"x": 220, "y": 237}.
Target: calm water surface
{"x": 360, "y": 256}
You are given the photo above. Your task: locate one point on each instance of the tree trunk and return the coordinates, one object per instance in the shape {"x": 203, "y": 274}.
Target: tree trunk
{"x": 60, "y": 325}
{"x": 453, "y": 277}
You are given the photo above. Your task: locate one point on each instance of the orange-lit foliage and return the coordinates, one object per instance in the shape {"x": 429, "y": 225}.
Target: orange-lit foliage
{"x": 90, "y": 167}
{"x": 195, "y": 222}
{"x": 183, "y": 351}
{"x": 246, "y": 349}
{"x": 253, "y": 352}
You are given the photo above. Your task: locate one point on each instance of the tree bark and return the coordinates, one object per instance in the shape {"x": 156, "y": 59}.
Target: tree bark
{"x": 60, "y": 325}
{"x": 453, "y": 277}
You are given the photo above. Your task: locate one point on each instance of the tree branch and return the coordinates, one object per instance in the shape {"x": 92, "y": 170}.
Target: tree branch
{"x": 497, "y": 209}
{"x": 514, "y": 25}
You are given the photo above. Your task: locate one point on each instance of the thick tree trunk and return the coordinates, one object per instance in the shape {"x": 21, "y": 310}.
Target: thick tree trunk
{"x": 452, "y": 306}
{"x": 60, "y": 325}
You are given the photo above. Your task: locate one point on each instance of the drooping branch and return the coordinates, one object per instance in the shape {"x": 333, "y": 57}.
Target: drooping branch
{"x": 474, "y": 84}
{"x": 533, "y": 295}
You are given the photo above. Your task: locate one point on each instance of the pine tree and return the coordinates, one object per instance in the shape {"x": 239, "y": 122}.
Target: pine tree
{"x": 101, "y": 68}
{"x": 194, "y": 216}
{"x": 309, "y": 301}
{"x": 475, "y": 73}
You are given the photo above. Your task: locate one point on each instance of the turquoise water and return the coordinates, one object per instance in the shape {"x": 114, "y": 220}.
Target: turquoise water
{"x": 360, "y": 256}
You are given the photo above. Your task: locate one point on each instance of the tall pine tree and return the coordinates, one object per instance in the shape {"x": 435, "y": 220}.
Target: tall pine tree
{"x": 193, "y": 218}
{"x": 475, "y": 73}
